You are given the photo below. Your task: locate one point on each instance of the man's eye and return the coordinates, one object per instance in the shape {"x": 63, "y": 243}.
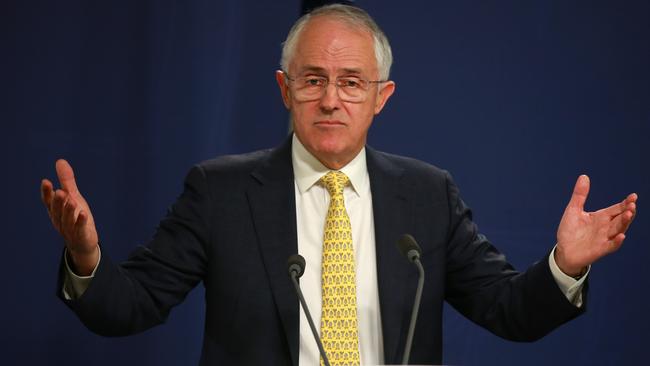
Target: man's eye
{"x": 350, "y": 83}
{"x": 314, "y": 82}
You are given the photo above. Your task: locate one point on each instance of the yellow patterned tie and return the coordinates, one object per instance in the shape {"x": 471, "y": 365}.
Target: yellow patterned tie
{"x": 339, "y": 331}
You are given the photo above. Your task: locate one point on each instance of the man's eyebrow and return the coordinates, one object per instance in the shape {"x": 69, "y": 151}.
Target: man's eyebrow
{"x": 321, "y": 70}
{"x": 310, "y": 68}
{"x": 348, "y": 71}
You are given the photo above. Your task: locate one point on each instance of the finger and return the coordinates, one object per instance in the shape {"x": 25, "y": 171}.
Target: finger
{"x": 47, "y": 193}
{"x": 57, "y": 208}
{"x": 621, "y": 223}
{"x": 632, "y": 197}
{"x": 631, "y": 207}
{"x": 82, "y": 219}
{"x": 80, "y": 226}
{"x": 68, "y": 218}
{"x": 616, "y": 242}
{"x": 618, "y": 208}
{"x": 580, "y": 193}
{"x": 66, "y": 176}
{"x": 631, "y": 203}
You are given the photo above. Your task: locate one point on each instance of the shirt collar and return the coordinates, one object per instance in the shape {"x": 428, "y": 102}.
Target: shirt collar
{"x": 307, "y": 170}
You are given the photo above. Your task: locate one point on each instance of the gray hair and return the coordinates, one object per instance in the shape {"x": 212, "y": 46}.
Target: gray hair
{"x": 354, "y": 17}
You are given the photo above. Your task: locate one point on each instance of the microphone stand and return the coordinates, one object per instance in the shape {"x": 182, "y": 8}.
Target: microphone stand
{"x": 294, "y": 279}
{"x": 414, "y": 312}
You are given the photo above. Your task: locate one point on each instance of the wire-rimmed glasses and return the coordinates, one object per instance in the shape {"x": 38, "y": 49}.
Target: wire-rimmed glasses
{"x": 351, "y": 89}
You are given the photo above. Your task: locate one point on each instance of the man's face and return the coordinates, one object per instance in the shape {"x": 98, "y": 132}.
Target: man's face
{"x": 332, "y": 130}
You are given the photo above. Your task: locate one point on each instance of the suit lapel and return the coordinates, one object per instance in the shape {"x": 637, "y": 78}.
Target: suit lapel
{"x": 392, "y": 210}
{"x": 272, "y": 202}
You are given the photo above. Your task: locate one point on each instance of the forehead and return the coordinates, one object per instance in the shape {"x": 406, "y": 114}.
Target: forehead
{"x": 334, "y": 46}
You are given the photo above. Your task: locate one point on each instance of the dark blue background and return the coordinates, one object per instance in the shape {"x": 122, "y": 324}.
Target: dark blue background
{"x": 515, "y": 98}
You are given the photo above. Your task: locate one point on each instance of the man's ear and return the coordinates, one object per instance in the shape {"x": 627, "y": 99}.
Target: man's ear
{"x": 386, "y": 91}
{"x": 284, "y": 87}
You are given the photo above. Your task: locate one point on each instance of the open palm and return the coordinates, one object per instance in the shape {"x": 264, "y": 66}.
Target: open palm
{"x": 584, "y": 237}
{"x": 71, "y": 217}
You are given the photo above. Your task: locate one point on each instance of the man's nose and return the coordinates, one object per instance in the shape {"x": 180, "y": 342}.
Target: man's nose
{"x": 330, "y": 98}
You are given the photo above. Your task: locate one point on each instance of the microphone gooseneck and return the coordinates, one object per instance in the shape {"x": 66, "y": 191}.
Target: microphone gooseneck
{"x": 296, "y": 267}
{"x": 411, "y": 250}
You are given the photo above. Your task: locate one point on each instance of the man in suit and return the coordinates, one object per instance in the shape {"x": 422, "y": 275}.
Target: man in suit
{"x": 243, "y": 216}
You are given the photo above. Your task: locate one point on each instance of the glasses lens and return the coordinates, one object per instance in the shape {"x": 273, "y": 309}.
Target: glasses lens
{"x": 352, "y": 89}
{"x": 310, "y": 87}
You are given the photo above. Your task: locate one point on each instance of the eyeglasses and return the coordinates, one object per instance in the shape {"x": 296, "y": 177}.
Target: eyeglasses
{"x": 351, "y": 89}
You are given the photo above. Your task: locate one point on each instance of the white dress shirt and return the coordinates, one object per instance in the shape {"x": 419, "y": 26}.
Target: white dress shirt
{"x": 312, "y": 201}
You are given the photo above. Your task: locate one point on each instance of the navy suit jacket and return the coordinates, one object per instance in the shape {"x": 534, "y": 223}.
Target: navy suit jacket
{"x": 234, "y": 227}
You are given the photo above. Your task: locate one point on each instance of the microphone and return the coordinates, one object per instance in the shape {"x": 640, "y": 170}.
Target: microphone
{"x": 296, "y": 266}
{"x": 411, "y": 250}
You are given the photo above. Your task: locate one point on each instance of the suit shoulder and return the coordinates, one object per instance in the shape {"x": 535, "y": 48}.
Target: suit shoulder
{"x": 415, "y": 168}
{"x": 234, "y": 164}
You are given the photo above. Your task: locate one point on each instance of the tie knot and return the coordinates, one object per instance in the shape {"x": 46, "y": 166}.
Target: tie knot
{"x": 335, "y": 181}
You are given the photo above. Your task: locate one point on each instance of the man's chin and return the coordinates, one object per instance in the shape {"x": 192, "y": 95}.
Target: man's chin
{"x": 334, "y": 157}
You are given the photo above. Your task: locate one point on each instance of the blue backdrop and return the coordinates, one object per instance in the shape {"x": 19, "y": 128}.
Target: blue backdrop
{"x": 515, "y": 98}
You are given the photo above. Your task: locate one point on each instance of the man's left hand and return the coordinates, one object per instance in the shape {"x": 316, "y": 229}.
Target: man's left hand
{"x": 584, "y": 237}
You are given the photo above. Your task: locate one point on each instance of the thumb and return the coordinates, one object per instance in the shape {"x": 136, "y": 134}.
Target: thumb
{"x": 66, "y": 176}
{"x": 580, "y": 193}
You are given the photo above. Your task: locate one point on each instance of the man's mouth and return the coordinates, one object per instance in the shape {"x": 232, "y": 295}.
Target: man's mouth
{"x": 327, "y": 123}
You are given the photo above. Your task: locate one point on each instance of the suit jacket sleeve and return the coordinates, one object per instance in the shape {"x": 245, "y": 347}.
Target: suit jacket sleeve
{"x": 484, "y": 287}
{"x": 140, "y": 293}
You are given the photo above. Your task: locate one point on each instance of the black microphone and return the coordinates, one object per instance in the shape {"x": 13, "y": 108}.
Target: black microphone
{"x": 411, "y": 250}
{"x": 296, "y": 265}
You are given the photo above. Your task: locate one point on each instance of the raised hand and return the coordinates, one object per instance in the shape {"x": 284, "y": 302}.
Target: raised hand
{"x": 71, "y": 217}
{"x": 584, "y": 237}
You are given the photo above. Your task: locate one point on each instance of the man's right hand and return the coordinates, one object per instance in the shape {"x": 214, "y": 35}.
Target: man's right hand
{"x": 71, "y": 217}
